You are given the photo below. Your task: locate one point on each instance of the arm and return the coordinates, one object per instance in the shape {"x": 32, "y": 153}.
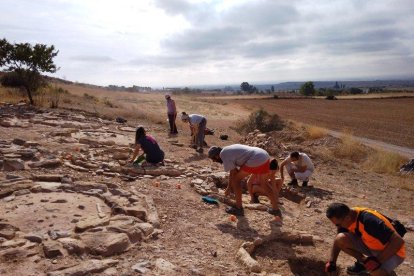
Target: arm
{"x": 136, "y": 151}
{"x": 282, "y": 165}
{"x": 175, "y": 109}
{"x": 391, "y": 248}
{"x": 231, "y": 176}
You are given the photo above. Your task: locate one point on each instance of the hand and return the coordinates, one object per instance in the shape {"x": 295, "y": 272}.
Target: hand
{"x": 227, "y": 192}
{"x": 330, "y": 267}
{"x": 371, "y": 263}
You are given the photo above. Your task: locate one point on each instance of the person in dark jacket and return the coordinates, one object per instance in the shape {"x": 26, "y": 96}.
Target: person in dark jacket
{"x": 151, "y": 150}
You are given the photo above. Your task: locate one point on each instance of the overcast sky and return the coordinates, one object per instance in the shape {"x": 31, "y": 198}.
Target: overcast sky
{"x": 193, "y": 42}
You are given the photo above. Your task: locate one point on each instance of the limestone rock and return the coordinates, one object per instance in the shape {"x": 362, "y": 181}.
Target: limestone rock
{"x": 8, "y": 231}
{"x": 52, "y": 249}
{"x": 13, "y": 243}
{"x": 133, "y": 231}
{"x": 33, "y": 238}
{"x": 18, "y": 141}
{"x": 85, "y": 268}
{"x": 146, "y": 228}
{"x": 105, "y": 243}
{"x": 13, "y": 165}
{"x": 136, "y": 211}
{"x": 88, "y": 223}
{"x": 73, "y": 246}
{"x": 164, "y": 266}
{"x": 48, "y": 177}
{"x": 48, "y": 163}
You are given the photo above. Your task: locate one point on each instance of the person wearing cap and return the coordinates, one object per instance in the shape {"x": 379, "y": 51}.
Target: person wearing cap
{"x": 241, "y": 161}
{"x": 198, "y": 124}
{"x": 152, "y": 151}
{"x": 172, "y": 114}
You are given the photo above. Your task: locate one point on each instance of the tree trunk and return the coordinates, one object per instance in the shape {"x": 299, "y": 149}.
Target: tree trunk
{"x": 29, "y": 94}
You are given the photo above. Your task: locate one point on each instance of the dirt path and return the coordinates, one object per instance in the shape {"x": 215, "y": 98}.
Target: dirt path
{"x": 404, "y": 151}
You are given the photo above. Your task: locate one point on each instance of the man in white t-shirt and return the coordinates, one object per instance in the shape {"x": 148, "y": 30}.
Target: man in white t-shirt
{"x": 241, "y": 161}
{"x": 198, "y": 124}
{"x": 299, "y": 166}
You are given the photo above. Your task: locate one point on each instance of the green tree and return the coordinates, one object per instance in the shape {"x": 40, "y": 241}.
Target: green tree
{"x": 307, "y": 89}
{"x": 24, "y": 64}
{"x": 245, "y": 87}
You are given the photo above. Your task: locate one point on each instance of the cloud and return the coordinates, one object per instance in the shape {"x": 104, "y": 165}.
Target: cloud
{"x": 93, "y": 59}
{"x": 187, "y": 41}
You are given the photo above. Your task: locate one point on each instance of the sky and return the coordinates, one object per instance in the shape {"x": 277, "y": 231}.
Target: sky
{"x": 176, "y": 43}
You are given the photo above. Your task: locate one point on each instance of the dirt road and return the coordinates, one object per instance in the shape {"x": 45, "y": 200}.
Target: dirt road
{"x": 406, "y": 152}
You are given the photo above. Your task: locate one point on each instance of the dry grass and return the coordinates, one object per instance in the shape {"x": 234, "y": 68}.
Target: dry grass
{"x": 315, "y": 132}
{"x": 384, "y": 162}
{"x": 12, "y": 95}
{"x": 350, "y": 149}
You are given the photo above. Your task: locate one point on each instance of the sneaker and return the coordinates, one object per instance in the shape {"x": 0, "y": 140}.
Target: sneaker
{"x": 357, "y": 269}
{"x": 305, "y": 183}
{"x": 293, "y": 182}
{"x": 235, "y": 211}
{"x": 274, "y": 212}
{"x": 255, "y": 199}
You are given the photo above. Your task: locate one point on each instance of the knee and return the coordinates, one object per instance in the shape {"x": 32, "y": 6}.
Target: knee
{"x": 342, "y": 240}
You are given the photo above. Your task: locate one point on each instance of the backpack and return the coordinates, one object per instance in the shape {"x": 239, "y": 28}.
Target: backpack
{"x": 398, "y": 226}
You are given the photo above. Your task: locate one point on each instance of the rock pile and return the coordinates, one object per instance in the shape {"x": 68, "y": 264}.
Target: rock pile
{"x": 264, "y": 141}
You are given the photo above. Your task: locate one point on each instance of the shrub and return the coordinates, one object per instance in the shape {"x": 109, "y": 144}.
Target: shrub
{"x": 54, "y": 96}
{"x": 108, "y": 103}
{"x": 90, "y": 97}
{"x": 314, "y": 132}
{"x": 350, "y": 149}
{"x": 330, "y": 97}
{"x": 384, "y": 162}
{"x": 260, "y": 120}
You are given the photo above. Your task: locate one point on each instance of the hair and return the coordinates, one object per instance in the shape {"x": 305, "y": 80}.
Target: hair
{"x": 139, "y": 133}
{"x": 295, "y": 154}
{"x": 273, "y": 165}
{"x": 337, "y": 210}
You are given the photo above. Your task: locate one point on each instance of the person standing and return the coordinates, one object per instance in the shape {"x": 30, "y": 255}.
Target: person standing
{"x": 299, "y": 166}
{"x": 198, "y": 124}
{"x": 172, "y": 114}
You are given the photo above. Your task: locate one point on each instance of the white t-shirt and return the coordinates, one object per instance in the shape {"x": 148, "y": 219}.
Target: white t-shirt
{"x": 238, "y": 155}
{"x": 195, "y": 119}
{"x": 304, "y": 160}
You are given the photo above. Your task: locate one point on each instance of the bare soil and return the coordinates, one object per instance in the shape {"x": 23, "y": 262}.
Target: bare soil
{"x": 387, "y": 120}
{"x": 200, "y": 239}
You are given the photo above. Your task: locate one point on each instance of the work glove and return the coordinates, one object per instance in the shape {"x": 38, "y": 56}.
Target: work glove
{"x": 330, "y": 267}
{"x": 371, "y": 263}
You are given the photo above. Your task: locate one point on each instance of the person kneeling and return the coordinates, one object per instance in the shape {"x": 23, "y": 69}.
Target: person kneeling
{"x": 366, "y": 235}
{"x": 266, "y": 185}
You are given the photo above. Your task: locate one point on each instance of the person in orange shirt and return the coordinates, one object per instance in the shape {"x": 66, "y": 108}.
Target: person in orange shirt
{"x": 366, "y": 235}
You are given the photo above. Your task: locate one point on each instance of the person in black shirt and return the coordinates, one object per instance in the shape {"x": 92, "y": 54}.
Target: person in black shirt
{"x": 151, "y": 149}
